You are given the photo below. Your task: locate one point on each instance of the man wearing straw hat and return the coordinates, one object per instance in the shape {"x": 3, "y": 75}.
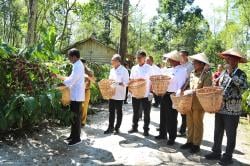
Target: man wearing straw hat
{"x": 119, "y": 74}
{"x": 168, "y": 115}
{"x": 139, "y": 72}
{"x": 234, "y": 83}
{"x": 199, "y": 78}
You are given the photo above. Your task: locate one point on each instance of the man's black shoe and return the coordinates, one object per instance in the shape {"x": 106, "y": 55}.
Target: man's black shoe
{"x": 117, "y": 131}
{"x": 109, "y": 131}
{"x": 186, "y": 146}
{"x": 225, "y": 160}
{"x": 68, "y": 139}
{"x": 155, "y": 105}
{"x": 181, "y": 135}
{"x": 73, "y": 142}
{"x": 195, "y": 149}
{"x": 145, "y": 133}
{"x": 133, "y": 131}
{"x": 213, "y": 156}
{"x": 161, "y": 137}
{"x": 170, "y": 142}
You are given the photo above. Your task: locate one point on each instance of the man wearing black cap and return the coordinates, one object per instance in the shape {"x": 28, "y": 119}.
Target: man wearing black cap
{"x": 138, "y": 72}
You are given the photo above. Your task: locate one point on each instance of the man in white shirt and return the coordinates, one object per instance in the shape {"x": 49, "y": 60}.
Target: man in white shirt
{"x": 77, "y": 94}
{"x": 119, "y": 74}
{"x": 189, "y": 67}
{"x": 155, "y": 71}
{"x": 141, "y": 71}
{"x": 168, "y": 115}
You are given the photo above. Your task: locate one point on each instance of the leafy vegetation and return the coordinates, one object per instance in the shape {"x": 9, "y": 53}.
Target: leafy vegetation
{"x": 246, "y": 95}
{"x": 27, "y": 91}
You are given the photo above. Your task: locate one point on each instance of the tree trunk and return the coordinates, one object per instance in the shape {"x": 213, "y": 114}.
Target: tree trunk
{"x": 68, "y": 9}
{"x": 32, "y": 10}
{"x": 123, "y": 49}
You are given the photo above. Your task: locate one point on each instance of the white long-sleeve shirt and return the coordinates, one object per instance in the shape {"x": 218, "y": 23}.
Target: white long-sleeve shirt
{"x": 156, "y": 70}
{"x": 76, "y": 82}
{"x": 142, "y": 72}
{"x": 178, "y": 76}
{"x": 119, "y": 75}
{"x": 189, "y": 67}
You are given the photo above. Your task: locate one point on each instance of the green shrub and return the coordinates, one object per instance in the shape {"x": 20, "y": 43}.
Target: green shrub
{"x": 26, "y": 90}
{"x": 246, "y": 96}
{"x": 246, "y": 101}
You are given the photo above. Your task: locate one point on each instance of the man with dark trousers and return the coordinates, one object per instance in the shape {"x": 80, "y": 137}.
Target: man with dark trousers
{"x": 138, "y": 72}
{"x": 118, "y": 74}
{"x": 77, "y": 94}
{"x": 189, "y": 68}
{"x": 234, "y": 83}
{"x": 168, "y": 115}
{"x": 155, "y": 71}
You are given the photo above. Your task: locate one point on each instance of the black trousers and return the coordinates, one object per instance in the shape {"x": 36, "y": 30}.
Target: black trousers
{"x": 157, "y": 100}
{"x": 146, "y": 105}
{"x": 183, "y": 124}
{"x": 115, "y": 106}
{"x": 76, "y": 108}
{"x": 168, "y": 118}
{"x": 126, "y": 97}
{"x": 228, "y": 123}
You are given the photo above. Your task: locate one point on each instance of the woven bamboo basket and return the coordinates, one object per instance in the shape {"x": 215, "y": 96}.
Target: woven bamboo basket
{"x": 210, "y": 98}
{"x": 182, "y": 104}
{"x": 65, "y": 95}
{"x": 107, "y": 88}
{"x": 159, "y": 84}
{"x": 137, "y": 88}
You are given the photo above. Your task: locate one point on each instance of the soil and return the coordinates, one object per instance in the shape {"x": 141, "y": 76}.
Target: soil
{"x": 45, "y": 145}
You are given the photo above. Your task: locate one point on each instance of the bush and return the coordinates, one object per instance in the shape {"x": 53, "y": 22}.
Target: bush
{"x": 246, "y": 101}
{"x": 27, "y": 94}
{"x": 246, "y": 95}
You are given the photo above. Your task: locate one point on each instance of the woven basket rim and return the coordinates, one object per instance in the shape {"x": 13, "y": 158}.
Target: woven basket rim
{"x": 139, "y": 83}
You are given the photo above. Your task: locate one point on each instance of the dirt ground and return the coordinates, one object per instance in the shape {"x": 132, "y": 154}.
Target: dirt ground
{"x": 46, "y": 146}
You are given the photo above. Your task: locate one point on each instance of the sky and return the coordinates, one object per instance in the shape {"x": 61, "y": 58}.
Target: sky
{"x": 149, "y": 9}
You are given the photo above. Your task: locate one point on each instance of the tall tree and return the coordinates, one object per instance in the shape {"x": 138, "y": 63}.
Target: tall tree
{"x": 32, "y": 15}
{"x": 68, "y": 7}
{"x": 123, "y": 49}
{"x": 178, "y": 24}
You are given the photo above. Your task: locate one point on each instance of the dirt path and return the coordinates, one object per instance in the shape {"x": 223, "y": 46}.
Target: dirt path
{"x": 47, "y": 147}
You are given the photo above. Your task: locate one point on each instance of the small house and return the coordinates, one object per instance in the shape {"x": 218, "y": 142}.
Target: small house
{"x": 93, "y": 50}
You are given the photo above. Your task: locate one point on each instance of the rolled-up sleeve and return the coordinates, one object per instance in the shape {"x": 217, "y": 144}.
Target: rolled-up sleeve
{"x": 72, "y": 79}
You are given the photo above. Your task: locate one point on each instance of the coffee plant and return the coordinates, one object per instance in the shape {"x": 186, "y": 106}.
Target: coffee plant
{"x": 27, "y": 90}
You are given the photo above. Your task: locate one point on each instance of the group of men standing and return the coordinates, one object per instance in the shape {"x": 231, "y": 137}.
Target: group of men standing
{"x": 186, "y": 78}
